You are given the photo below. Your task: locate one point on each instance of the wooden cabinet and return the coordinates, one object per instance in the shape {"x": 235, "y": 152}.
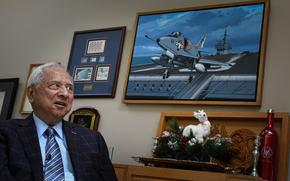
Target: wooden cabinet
{"x": 232, "y": 121}
{"x": 254, "y": 121}
{"x": 144, "y": 173}
{"x": 121, "y": 171}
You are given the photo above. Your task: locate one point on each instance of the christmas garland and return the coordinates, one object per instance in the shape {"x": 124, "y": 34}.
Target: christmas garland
{"x": 173, "y": 145}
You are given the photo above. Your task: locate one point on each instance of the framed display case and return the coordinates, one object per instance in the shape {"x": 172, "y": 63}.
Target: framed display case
{"x": 95, "y": 60}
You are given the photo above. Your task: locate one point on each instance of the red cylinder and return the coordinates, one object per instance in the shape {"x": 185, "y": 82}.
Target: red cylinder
{"x": 266, "y": 166}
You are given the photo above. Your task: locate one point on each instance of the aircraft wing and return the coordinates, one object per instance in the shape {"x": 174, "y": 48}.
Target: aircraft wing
{"x": 157, "y": 67}
{"x": 213, "y": 62}
{"x": 230, "y": 62}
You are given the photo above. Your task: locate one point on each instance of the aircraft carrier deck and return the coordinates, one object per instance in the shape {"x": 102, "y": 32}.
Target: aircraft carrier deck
{"x": 237, "y": 83}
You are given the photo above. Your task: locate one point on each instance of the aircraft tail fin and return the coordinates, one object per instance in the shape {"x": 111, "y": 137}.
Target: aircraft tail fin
{"x": 199, "y": 46}
{"x": 201, "y": 42}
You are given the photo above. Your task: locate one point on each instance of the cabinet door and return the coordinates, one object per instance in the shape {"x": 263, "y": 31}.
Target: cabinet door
{"x": 144, "y": 173}
{"x": 121, "y": 171}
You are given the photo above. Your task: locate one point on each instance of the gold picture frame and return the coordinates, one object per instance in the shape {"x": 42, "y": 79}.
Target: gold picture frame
{"x": 87, "y": 117}
{"x": 25, "y": 107}
{"x": 199, "y": 55}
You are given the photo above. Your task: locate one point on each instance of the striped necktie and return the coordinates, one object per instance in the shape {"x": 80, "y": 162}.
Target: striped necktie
{"x": 53, "y": 168}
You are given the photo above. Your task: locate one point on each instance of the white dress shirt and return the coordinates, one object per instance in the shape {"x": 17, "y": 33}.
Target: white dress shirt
{"x": 41, "y": 127}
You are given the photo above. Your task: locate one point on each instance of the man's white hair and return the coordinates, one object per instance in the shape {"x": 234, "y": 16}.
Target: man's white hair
{"x": 37, "y": 74}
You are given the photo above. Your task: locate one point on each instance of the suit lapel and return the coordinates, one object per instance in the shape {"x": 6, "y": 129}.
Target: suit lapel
{"x": 28, "y": 136}
{"x": 73, "y": 141}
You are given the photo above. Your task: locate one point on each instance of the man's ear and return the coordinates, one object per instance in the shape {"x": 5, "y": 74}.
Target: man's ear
{"x": 30, "y": 93}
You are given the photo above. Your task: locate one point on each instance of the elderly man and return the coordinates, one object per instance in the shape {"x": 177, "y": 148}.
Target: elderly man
{"x": 44, "y": 146}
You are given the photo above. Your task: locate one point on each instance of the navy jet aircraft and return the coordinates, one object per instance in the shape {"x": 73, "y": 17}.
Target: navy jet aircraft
{"x": 180, "y": 52}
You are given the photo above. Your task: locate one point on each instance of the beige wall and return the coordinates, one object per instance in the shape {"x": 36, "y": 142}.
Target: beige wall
{"x": 37, "y": 31}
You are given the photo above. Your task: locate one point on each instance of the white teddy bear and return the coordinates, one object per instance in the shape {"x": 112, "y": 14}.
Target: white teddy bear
{"x": 201, "y": 130}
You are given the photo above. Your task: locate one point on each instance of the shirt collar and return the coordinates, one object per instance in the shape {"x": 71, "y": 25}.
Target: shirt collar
{"x": 41, "y": 127}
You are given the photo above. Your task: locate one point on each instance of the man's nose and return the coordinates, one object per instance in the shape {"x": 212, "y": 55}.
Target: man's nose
{"x": 63, "y": 90}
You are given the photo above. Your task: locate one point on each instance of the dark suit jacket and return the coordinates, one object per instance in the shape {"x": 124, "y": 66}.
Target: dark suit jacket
{"x": 20, "y": 157}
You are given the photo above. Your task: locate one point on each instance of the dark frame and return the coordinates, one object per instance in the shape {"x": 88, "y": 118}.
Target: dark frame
{"x": 9, "y": 87}
{"x": 194, "y": 78}
{"x": 87, "y": 117}
{"x": 95, "y": 61}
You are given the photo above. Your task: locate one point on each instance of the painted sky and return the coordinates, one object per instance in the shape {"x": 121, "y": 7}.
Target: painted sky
{"x": 243, "y": 24}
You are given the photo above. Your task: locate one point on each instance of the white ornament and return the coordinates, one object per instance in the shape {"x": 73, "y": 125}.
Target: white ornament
{"x": 165, "y": 134}
{"x": 192, "y": 141}
{"x": 201, "y": 130}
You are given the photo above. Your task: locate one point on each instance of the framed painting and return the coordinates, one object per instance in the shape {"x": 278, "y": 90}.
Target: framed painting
{"x": 25, "y": 107}
{"x": 87, "y": 117}
{"x": 95, "y": 61}
{"x": 8, "y": 90}
{"x": 209, "y": 55}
